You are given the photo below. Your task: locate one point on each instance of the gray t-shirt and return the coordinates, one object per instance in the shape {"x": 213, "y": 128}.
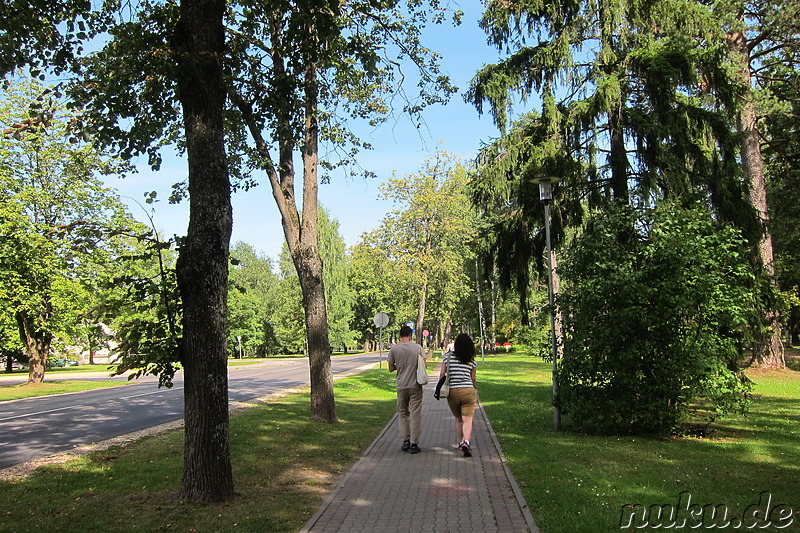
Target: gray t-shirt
{"x": 404, "y": 356}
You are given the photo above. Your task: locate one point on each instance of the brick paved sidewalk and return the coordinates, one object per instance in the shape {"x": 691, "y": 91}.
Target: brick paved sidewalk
{"x": 447, "y": 492}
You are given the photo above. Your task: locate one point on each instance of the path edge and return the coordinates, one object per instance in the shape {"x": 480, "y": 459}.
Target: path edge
{"x": 523, "y": 504}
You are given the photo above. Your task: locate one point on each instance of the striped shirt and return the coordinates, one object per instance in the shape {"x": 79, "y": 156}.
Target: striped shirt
{"x": 460, "y": 374}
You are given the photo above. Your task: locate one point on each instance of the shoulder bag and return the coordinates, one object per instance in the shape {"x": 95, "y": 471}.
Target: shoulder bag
{"x": 443, "y": 387}
{"x": 422, "y": 371}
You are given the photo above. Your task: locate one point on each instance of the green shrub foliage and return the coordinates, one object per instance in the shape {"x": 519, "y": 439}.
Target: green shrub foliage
{"x": 658, "y": 308}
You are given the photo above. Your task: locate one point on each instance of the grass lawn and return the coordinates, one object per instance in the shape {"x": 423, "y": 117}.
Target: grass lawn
{"x": 580, "y": 483}
{"x": 283, "y": 464}
{"x": 48, "y": 388}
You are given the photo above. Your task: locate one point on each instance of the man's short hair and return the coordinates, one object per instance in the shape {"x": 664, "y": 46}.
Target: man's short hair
{"x": 405, "y": 331}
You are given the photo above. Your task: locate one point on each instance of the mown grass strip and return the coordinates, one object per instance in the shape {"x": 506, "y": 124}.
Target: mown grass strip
{"x": 49, "y": 388}
{"x": 578, "y": 483}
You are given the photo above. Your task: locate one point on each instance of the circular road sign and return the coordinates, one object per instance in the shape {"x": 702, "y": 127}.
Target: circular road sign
{"x": 381, "y": 320}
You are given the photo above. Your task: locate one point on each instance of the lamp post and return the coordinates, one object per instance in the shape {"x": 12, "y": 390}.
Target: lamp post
{"x": 546, "y": 195}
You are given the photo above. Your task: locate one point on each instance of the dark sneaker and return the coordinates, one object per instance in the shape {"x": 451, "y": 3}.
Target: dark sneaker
{"x": 466, "y": 449}
{"x": 406, "y": 445}
{"x": 414, "y": 449}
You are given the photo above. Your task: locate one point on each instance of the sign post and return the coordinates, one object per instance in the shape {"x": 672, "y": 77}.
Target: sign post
{"x": 381, "y": 320}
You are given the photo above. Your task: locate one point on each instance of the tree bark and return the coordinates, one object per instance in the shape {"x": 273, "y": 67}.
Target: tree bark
{"x": 309, "y": 270}
{"x": 769, "y": 352}
{"x": 37, "y": 343}
{"x": 481, "y": 315}
{"x": 618, "y": 158}
{"x": 423, "y": 296}
{"x": 202, "y": 267}
{"x": 308, "y": 261}
{"x": 494, "y": 293}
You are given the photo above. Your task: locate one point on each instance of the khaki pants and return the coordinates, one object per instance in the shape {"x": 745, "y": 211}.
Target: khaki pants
{"x": 409, "y": 413}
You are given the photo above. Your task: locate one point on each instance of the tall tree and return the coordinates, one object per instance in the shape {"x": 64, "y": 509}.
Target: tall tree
{"x": 297, "y": 72}
{"x": 252, "y": 299}
{"x": 428, "y": 235}
{"x": 665, "y": 92}
{"x": 198, "y": 45}
{"x": 374, "y": 280}
{"x": 56, "y": 219}
{"x": 764, "y": 39}
{"x": 624, "y": 89}
{"x": 292, "y": 73}
{"x": 657, "y": 96}
{"x": 160, "y": 74}
{"x": 780, "y": 102}
{"x": 338, "y": 294}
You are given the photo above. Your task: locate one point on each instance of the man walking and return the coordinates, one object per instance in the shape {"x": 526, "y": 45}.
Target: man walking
{"x": 403, "y": 357}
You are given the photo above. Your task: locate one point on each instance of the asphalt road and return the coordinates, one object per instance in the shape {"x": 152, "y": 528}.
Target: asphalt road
{"x": 37, "y": 427}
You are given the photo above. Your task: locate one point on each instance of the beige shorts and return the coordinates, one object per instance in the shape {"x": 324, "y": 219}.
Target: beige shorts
{"x": 462, "y": 401}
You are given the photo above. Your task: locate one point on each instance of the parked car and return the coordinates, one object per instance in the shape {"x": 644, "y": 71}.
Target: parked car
{"x": 61, "y": 363}
{"x": 15, "y": 365}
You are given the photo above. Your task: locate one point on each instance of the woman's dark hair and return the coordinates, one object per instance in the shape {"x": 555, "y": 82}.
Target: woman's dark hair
{"x": 464, "y": 349}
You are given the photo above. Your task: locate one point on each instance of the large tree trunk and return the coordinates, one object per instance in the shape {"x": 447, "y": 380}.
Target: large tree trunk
{"x": 202, "y": 267}
{"x": 447, "y": 335}
{"x": 495, "y": 297}
{"x": 423, "y": 296}
{"x": 481, "y": 314}
{"x": 618, "y": 158}
{"x": 37, "y": 343}
{"x": 769, "y": 352}
{"x": 308, "y": 261}
{"x": 309, "y": 270}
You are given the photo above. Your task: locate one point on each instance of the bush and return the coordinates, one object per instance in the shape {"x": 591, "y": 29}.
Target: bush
{"x": 535, "y": 339}
{"x": 657, "y": 310}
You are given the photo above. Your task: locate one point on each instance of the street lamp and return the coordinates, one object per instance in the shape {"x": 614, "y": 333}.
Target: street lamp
{"x": 546, "y": 195}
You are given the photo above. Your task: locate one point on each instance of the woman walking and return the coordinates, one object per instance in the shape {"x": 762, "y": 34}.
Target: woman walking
{"x": 460, "y": 365}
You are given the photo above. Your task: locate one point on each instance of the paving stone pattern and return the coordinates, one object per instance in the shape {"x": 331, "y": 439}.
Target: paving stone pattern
{"x": 437, "y": 490}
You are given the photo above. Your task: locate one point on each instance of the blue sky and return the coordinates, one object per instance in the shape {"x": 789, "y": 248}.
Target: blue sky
{"x": 398, "y": 147}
